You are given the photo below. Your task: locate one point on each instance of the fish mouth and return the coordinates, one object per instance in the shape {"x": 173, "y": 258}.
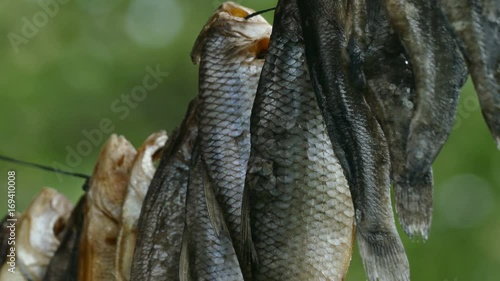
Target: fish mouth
{"x": 230, "y": 21}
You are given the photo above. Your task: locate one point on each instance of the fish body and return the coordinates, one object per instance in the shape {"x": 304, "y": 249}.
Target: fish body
{"x": 301, "y": 217}
{"x": 439, "y": 72}
{"x": 207, "y": 250}
{"x": 102, "y": 211}
{"x": 476, "y": 27}
{"x": 38, "y": 235}
{"x": 63, "y": 265}
{"x": 390, "y": 93}
{"x": 161, "y": 223}
{"x": 357, "y": 139}
{"x": 229, "y": 50}
{"x": 142, "y": 172}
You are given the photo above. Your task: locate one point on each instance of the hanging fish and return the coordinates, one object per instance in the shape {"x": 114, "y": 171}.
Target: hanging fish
{"x": 230, "y": 51}
{"x": 142, "y": 172}
{"x": 64, "y": 264}
{"x": 357, "y": 139}
{"x": 439, "y": 72}
{"x": 299, "y": 212}
{"x": 390, "y": 91}
{"x": 102, "y": 210}
{"x": 161, "y": 223}
{"x": 38, "y": 233}
{"x": 476, "y": 27}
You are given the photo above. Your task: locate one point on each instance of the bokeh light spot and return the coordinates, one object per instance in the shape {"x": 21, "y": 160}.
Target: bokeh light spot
{"x": 465, "y": 201}
{"x": 153, "y": 23}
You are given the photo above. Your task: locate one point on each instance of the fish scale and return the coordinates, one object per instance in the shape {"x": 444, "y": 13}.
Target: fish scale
{"x": 161, "y": 224}
{"x": 301, "y": 212}
{"x": 356, "y": 136}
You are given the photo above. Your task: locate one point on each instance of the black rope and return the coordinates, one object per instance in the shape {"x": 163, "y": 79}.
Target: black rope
{"x": 43, "y": 167}
{"x": 259, "y": 12}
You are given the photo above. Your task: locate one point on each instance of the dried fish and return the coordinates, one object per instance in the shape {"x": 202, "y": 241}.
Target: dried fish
{"x": 390, "y": 93}
{"x": 38, "y": 235}
{"x": 161, "y": 223}
{"x": 439, "y": 72}
{"x": 230, "y": 51}
{"x": 103, "y": 208}
{"x": 358, "y": 140}
{"x": 301, "y": 215}
{"x": 142, "y": 172}
{"x": 64, "y": 264}
{"x": 476, "y": 27}
{"x": 207, "y": 250}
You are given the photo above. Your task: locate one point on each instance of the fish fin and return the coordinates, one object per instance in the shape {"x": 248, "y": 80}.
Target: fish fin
{"x": 248, "y": 252}
{"x": 184, "y": 268}
{"x": 214, "y": 210}
{"x": 383, "y": 255}
{"x": 414, "y": 205}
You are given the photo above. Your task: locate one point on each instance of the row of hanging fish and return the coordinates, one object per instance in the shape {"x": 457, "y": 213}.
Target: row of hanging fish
{"x": 285, "y": 173}
{"x": 95, "y": 239}
{"x": 287, "y": 155}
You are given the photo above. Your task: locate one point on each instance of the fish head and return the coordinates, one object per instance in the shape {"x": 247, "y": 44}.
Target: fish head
{"x": 109, "y": 181}
{"x": 41, "y": 226}
{"x": 142, "y": 172}
{"x": 245, "y": 36}
{"x": 143, "y": 168}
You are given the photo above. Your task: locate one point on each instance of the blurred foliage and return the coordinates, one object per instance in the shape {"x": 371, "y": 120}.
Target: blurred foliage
{"x": 63, "y": 75}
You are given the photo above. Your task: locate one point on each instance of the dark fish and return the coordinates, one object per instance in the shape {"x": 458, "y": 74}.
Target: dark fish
{"x": 357, "y": 139}
{"x": 439, "y": 72}
{"x": 390, "y": 92}
{"x": 38, "y": 235}
{"x": 161, "y": 223}
{"x": 476, "y": 26}
{"x": 141, "y": 173}
{"x": 301, "y": 220}
{"x": 64, "y": 264}
{"x": 207, "y": 250}
{"x": 230, "y": 51}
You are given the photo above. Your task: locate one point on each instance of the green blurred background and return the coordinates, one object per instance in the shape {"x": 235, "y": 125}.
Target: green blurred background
{"x": 62, "y": 75}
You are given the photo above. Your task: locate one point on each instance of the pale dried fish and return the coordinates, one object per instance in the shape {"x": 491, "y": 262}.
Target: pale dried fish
{"x": 64, "y": 264}
{"x": 38, "y": 235}
{"x": 142, "y": 173}
{"x": 108, "y": 186}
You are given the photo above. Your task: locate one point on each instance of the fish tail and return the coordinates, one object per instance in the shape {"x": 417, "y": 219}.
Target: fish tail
{"x": 383, "y": 255}
{"x": 414, "y": 205}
